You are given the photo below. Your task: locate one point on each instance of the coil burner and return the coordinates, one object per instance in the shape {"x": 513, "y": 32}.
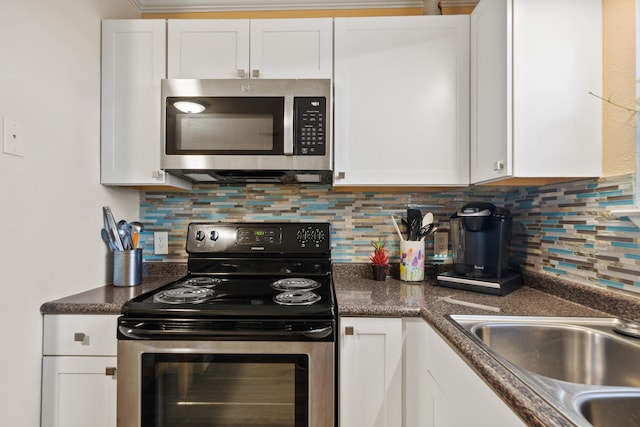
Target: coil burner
{"x": 186, "y": 295}
{"x": 202, "y": 281}
{"x": 295, "y": 284}
{"x": 297, "y": 298}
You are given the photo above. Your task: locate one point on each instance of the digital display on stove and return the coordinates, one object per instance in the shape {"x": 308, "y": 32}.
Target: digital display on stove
{"x": 252, "y": 236}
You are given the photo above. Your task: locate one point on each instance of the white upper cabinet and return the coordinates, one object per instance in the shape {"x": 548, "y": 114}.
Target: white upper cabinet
{"x": 533, "y": 64}
{"x": 402, "y": 101}
{"x": 133, "y": 64}
{"x": 239, "y": 48}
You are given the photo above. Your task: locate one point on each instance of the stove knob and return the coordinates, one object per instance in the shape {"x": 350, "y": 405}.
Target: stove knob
{"x": 214, "y": 235}
{"x": 200, "y": 235}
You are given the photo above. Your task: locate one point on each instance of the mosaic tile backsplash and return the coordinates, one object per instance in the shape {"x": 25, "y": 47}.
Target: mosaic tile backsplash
{"x": 561, "y": 229}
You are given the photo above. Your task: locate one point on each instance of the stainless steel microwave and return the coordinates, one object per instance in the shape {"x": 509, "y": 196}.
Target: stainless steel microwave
{"x": 234, "y": 130}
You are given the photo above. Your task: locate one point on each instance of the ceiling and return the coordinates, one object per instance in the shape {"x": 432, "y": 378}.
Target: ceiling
{"x": 165, "y": 6}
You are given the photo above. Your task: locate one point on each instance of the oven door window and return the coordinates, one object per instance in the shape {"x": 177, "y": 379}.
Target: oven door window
{"x": 225, "y": 390}
{"x": 227, "y": 125}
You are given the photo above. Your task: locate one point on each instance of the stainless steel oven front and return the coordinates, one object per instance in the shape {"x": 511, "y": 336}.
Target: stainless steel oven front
{"x": 164, "y": 383}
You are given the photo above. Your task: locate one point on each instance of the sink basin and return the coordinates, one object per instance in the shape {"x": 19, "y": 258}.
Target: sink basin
{"x": 565, "y": 352}
{"x": 611, "y": 409}
{"x": 579, "y": 365}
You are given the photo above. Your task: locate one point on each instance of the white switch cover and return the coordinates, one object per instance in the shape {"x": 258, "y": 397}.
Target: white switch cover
{"x": 161, "y": 243}
{"x": 13, "y": 140}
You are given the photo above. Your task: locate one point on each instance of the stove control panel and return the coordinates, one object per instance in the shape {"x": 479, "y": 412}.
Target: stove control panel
{"x": 269, "y": 238}
{"x": 311, "y": 236}
{"x": 261, "y": 235}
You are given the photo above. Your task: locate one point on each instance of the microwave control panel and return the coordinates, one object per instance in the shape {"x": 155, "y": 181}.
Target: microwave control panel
{"x": 310, "y": 126}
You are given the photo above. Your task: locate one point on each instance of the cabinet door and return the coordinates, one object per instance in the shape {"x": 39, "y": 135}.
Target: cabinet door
{"x": 418, "y": 401}
{"x": 454, "y": 385}
{"x": 292, "y": 48}
{"x": 532, "y": 114}
{"x": 78, "y": 391}
{"x": 370, "y": 372}
{"x": 402, "y": 100}
{"x": 491, "y": 91}
{"x": 207, "y": 48}
{"x": 133, "y": 64}
{"x": 557, "y": 124}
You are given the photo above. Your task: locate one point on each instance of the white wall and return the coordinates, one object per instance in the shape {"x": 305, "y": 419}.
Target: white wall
{"x": 50, "y": 199}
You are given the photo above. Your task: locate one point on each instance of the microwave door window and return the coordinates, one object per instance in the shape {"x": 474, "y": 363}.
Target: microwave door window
{"x": 225, "y": 132}
{"x": 227, "y": 126}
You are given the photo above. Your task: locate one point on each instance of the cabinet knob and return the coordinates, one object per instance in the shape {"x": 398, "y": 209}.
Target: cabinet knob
{"x": 110, "y": 371}
{"x": 79, "y": 336}
{"x": 348, "y": 330}
{"x": 255, "y": 73}
{"x": 241, "y": 73}
{"x": 498, "y": 166}
{"x": 157, "y": 174}
{"x": 340, "y": 175}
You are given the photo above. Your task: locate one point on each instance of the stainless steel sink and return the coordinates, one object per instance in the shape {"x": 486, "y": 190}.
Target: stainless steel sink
{"x": 610, "y": 409}
{"x": 577, "y": 354}
{"x": 579, "y": 365}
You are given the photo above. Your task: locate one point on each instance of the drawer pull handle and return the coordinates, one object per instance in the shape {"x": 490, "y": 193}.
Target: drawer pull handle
{"x": 110, "y": 371}
{"x": 348, "y": 330}
{"x": 79, "y": 336}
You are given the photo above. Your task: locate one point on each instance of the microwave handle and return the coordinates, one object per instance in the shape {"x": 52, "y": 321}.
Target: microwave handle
{"x": 288, "y": 124}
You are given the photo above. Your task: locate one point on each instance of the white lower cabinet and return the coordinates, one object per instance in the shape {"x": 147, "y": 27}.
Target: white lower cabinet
{"x": 370, "y": 372}
{"x": 79, "y": 371}
{"x": 400, "y": 372}
{"x": 442, "y": 390}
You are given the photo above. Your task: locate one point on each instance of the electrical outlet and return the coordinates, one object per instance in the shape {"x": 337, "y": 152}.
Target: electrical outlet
{"x": 441, "y": 243}
{"x": 161, "y": 243}
{"x": 12, "y": 138}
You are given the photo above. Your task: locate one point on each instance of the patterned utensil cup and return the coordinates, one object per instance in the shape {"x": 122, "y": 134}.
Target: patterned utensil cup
{"x": 411, "y": 260}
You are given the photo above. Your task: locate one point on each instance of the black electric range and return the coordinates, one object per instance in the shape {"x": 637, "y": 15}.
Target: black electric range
{"x": 257, "y": 280}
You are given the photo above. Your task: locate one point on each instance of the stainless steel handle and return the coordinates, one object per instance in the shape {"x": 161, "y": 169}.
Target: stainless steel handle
{"x": 348, "y": 330}
{"x": 144, "y": 333}
{"x": 79, "y": 336}
{"x": 341, "y": 175}
{"x": 255, "y": 73}
{"x": 241, "y": 73}
{"x": 110, "y": 371}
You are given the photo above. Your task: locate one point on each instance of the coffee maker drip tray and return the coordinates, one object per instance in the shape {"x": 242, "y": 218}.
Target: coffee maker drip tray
{"x": 509, "y": 282}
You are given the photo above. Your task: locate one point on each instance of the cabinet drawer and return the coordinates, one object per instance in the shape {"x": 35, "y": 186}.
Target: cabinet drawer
{"x": 93, "y": 335}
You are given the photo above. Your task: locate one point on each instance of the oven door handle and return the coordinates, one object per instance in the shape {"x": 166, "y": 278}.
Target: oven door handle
{"x": 178, "y": 334}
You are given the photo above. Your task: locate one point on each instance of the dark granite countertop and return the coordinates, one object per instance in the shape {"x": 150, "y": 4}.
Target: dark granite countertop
{"x": 542, "y": 295}
{"x": 358, "y": 295}
{"x": 109, "y": 299}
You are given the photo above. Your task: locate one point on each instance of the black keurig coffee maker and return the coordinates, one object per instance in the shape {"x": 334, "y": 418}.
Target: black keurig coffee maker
{"x": 480, "y": 241}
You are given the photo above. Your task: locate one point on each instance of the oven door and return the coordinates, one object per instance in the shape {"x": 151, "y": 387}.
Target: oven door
{"x": 226, "y": 383}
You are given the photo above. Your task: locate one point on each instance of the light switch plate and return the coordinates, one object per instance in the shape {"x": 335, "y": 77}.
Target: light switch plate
{"x": 13, "y": 140}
